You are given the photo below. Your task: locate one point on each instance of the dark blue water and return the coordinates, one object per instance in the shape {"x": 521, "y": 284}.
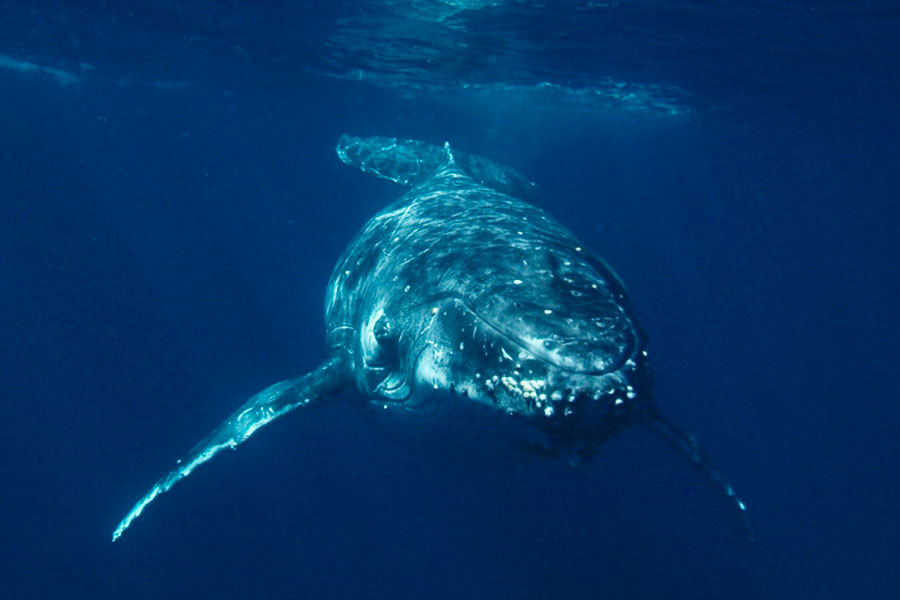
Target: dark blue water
{"x": 172, "y": 207}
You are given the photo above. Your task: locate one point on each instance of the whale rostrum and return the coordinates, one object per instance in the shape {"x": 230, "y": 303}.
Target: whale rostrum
{"x": 463, "y": 292}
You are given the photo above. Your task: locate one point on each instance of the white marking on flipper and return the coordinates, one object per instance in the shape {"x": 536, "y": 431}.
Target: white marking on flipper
{"x": 263, "y": 408}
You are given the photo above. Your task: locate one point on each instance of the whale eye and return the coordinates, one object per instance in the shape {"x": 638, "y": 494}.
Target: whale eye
{"x": 384, "y": 350}
{"x": 382, "y": 330}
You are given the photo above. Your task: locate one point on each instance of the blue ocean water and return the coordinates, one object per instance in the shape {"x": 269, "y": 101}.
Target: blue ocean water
{"x": 172, "y": 208}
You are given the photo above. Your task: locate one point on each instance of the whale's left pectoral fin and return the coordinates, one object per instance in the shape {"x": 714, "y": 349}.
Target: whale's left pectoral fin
{"x": 261, "y": 409}
{"x": 686, "y": 445}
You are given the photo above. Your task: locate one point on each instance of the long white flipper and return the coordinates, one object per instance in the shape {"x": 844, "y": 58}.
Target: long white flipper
{"x": 261, "y": 409}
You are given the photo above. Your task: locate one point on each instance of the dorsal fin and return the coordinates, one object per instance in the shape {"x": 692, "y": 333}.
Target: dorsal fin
{"x": 412, "y": 163}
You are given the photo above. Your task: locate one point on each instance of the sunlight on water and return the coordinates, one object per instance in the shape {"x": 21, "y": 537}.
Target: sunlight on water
{"x": 472, "y": 47}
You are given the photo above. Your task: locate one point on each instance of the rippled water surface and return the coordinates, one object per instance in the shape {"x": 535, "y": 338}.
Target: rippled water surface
{"x": 667, "y": 57}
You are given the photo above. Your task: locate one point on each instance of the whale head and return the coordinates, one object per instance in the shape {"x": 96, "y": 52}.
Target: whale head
{"x": 472, "y": 292}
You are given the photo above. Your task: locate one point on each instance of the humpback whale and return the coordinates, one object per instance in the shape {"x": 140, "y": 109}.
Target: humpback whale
{"x": 462, "y": 292}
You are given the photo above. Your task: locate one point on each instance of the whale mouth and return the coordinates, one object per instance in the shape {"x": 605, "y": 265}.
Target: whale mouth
{"x": 561, "y": 306}
{"x": 462, "y": 352}
{"x": 591, "y": 346}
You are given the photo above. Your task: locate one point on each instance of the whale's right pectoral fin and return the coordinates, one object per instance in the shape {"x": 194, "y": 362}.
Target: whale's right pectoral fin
{"x": 261, "y": 409}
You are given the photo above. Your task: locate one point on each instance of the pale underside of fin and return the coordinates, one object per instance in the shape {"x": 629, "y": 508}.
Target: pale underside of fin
{"x": 261, "y": 409}
{"x": 686, "y": 445}
{"x": 411, "y": 163}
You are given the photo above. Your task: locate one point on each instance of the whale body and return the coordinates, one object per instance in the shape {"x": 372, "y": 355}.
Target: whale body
{"x": 463, "y": 293}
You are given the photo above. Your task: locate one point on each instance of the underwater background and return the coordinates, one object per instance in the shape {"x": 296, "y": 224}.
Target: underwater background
{"x": 171, "y": 207}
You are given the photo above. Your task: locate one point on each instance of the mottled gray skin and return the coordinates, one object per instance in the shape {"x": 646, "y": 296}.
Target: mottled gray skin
{"x": 459, "y": 287}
